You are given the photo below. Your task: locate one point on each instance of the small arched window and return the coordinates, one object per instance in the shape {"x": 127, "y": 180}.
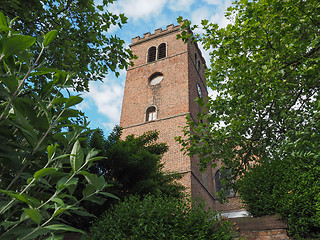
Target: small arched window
{"x": 162, "y": 51}
{"x": 155, "y": 78}
{"x": 152, "y": 54}
{"x": 151, "y": 114}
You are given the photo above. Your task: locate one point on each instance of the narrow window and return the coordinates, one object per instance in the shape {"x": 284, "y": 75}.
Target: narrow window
{"x": 162, "y": 52}
{"x": 151, "y": 114}
{"x": 198, "y": 65}
{"x": 152, "y": 54}
{"x": 223, "y": 183}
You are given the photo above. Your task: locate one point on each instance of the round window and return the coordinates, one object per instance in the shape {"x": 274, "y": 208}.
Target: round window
{"x": 155, "y": 78}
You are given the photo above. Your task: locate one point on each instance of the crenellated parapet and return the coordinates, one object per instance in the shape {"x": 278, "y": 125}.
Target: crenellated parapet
{"x": 157, "y": 33}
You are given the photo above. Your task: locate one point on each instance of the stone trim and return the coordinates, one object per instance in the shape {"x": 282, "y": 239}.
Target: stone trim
{"x": 160, "y": 119}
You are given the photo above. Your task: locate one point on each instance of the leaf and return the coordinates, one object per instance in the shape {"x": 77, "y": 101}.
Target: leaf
{"x": 73, "y": 100}
{"x": 109, "y": 195}
{"x": 50, "y": 36}
{"x": 92, "y": 179}
{"x": 16, "y": 43}
{"x": 58, "y": 200}
{"x": 3, "y": 20}
{"x": 96, "y": 199}
{"x": 44, "y": 172}
{"x": 34, "y": 215}
{"x": 77, "y": 156}
{"x": 88, "y": 190}
{"x": 64, "y": 227}
{"x": 51, "y": 150}
{"x": 7, "y": 224}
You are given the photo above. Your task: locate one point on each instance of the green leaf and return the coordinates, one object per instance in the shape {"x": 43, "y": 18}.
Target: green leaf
{"x": 62, "y": 183}
{"x": 77, "y": 156}
{"x": 92, "y": 179}
{"x": 96, "y": 199}
{"x": 7, "y": 224}
{"x": 51, "y": 150}
{"x": 11, "y": 82}
{"x": 16, "y": 43}
{"x": 3, "y": 20}
{"x": 34, "y": 215}
{"x": 64, "y": 227}
{"x": 44, "y": 172}
{"x": 50, "y": 36}
{"x": 58, "y": 200}
{"x": 109, "y": 195}
{"x": 88, "y": 190}
{"x": 73, "y": 100}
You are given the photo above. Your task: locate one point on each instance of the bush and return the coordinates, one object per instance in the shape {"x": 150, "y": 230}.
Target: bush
{"x": 159, "y": 218}
{"x": 290, "y": 185}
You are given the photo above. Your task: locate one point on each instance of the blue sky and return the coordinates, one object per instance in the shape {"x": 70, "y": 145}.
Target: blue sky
{"x": 102, "y": 104}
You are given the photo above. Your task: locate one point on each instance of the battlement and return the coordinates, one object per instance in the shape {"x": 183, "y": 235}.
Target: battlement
{"x": 158, "y": 32}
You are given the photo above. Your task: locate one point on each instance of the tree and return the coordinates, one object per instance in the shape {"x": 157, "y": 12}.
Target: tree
{"x": 131, "y": 167}
{"x": 265, "y": 70}
{"x": 82, "y": 27}
{"x": 41, "y": 159}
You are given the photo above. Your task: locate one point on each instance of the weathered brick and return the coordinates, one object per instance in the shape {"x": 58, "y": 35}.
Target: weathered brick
{"x": 173, "y": 98}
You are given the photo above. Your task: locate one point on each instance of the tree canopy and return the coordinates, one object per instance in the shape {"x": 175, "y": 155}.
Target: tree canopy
{"x": 263, "y": 123}
{"x": 83, "y": 46}
{"x": 265, "y": 70}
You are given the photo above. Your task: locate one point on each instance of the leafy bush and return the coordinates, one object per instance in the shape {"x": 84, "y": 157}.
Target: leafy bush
{"x": 41, "y": 159}
{"x": 159, "y": 218}
{"x": 289, "y": 185}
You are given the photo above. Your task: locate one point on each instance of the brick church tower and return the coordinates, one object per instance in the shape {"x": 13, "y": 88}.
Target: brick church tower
{"x": 159, "y": 93}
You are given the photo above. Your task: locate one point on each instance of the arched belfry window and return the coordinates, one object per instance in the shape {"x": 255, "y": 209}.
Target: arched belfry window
{"x": 151, "y": 114}
{"x": 152, "y": 54}
{"x": 155, "y": 78}
{"x": 162, "y": 51}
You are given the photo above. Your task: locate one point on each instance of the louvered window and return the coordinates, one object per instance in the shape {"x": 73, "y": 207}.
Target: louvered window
{"x": 162, "y": 51}
{"x": 152, "y": 54}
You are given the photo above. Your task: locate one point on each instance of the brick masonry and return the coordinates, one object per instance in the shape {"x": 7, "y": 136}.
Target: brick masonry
{"x": 173, "y": 98}
{"x": 269, "y": 227}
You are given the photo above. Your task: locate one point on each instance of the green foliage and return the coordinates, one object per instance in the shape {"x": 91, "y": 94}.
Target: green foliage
{"x": 82, "y": 25}
{"x": 264, "y": 68}
{"x": 41, "y": 159}
{"x": 159, "y": 218}
{"x": 132, "y": 167}
{"x": 289, "y": 185}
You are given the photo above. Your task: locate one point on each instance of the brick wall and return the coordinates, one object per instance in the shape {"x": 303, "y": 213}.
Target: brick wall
{"x": 173, "y": 98}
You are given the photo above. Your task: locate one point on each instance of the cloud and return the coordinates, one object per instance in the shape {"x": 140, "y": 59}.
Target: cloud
{"x": 213, "y": 2}
{"x": 180, "y": 5}
{"x": 106, "y": 97}
{"x": 139, "y": 8}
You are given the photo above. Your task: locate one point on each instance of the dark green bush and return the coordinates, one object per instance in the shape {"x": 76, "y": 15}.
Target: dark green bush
{"x": 159, "y": 218}
{"x": 289, "y": 186}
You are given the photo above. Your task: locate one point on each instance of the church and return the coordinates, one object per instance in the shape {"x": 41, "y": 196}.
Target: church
{"x": 160, "y": 91}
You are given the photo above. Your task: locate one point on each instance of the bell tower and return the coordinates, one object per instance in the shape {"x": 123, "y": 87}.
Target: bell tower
{"x": 160, "y": 91}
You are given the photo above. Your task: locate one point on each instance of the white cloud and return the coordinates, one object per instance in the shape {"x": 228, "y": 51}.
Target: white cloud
{"x": 214, "y": 2}
{"x": 107, "y": 97}
{"x": 139, "y": 8}
{"x": 180, "y": 5}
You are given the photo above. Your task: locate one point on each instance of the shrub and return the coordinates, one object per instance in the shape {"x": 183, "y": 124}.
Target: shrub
{"x": 289, "y": 185}
{"x": 159, "y": 218}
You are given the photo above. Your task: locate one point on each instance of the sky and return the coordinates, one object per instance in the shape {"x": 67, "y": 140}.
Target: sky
{"x": 102, "y": 104}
